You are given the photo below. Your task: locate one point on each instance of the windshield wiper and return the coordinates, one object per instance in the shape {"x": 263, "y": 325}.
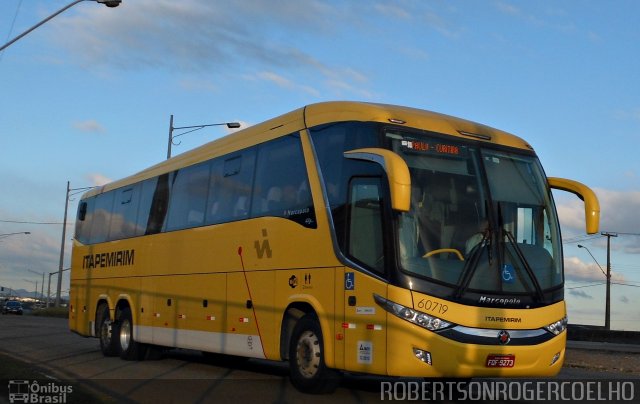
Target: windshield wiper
{"x": 524, "y": 262}
{"x": 472, "y": 262}
{"x": 521, "y": 257}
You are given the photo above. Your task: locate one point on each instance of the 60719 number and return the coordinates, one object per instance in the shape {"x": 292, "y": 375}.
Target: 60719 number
{"x": 433, "y": 306}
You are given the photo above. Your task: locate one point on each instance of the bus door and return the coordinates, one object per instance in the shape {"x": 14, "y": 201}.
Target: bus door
{"x": 364, "y": 323}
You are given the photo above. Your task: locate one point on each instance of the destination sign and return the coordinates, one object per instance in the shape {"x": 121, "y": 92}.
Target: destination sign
{"x": 434, "y": 147}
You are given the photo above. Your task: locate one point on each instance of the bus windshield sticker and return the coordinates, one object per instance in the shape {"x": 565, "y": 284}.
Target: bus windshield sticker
{"x": 508, "y": 273}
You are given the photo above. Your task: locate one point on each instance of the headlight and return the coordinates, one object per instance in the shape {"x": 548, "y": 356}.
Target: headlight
{"x": 416, "y": 317}
{"x": 557, "y": 327}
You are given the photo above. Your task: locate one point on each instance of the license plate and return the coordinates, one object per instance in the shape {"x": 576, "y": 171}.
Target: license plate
{"x": 500, "y": 361}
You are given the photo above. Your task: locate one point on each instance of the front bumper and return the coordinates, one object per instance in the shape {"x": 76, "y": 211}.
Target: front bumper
{"x": 450, "y": 358}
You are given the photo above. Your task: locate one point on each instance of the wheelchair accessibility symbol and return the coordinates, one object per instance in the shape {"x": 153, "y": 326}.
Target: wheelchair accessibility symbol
{"x": 508, "y": 273}
{"x": 349, "y": 281}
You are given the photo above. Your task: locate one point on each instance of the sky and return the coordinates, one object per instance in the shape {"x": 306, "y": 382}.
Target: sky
{"x": 87, "y": 97}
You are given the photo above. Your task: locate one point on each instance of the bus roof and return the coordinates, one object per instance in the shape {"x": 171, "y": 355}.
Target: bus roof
{"x": 321, "y": 113}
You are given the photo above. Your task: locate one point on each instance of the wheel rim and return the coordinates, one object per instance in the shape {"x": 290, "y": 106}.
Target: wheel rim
{"x": 308, "y": 354}
{"x": 125, "y": 335}
{"x": 105, "y": 332}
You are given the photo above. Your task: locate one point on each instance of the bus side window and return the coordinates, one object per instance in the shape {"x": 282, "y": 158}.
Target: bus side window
{"x": 282, "y": 188}
{"x": 189, "y": 197}
{"x": 125, "y": 211}
{"x": 83, "y": 222}
{"x": 147, "y": 189}
{"x": 102, "y": 217}
{"x": 160, "y": 204}
{"x": 230, "y": 187}
{"x": 365, "y": 237}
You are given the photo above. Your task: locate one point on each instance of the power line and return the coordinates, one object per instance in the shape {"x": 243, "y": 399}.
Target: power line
{"x": 622, "y": 232}
{"x": 31, "y": 222}
{"x": 625, "y": 284}
{"x": 625, "y": 268}
{"x": 579, "y": 239}
{"x": 13, "y": 22}
{"x": 587, "y": 237}
{"x": 587, "y": 286}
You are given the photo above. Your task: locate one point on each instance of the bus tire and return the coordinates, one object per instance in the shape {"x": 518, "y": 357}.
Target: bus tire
{"x": 105, "y": 331}
{"x": 308, "y": 371}
{"x": 130, "y": 349}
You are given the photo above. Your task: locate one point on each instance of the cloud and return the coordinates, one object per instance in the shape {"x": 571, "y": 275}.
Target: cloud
{"x": 89, "y": 126}
{"x": 38, "y": 252}
{"x": 393, "y": 10}
{"x": 442, "y": 26}
{"x": 628, "y": 114}
{"x": 618, "y": 213}
{"x": 577, "y": 270}
{"x": 580, "y": 293}
{"x": 202, "y": 36}
{"x": 194, "y": 84}
{"x": 98, "y": 179}
{"x": 414, "y": 53}
{"x": 507, "y": 8}
{"x": 283, "y": 82}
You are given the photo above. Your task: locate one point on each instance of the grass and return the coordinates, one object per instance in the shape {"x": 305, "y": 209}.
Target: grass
{"x": 61, "y": 312}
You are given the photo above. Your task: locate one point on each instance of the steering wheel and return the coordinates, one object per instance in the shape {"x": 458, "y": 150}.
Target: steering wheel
{"x": 445, "y": 251}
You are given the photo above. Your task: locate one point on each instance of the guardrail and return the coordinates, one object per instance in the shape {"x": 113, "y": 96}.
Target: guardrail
{"x": 577, "y": 332}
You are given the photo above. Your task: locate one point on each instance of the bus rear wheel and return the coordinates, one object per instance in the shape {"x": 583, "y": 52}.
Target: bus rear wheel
{"x": 130, "y": 349}
{"x": 105, "y": 328}
{"x": 309, "y": 373}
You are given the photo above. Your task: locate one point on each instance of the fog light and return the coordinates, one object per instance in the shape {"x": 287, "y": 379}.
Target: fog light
{"x": 424, "y": 356}
{"x": 555, "y": 359}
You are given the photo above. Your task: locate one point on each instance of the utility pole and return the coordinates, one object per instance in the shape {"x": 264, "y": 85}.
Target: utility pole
{"x": 607, "y": 311}
{"x": 49, "y": 289}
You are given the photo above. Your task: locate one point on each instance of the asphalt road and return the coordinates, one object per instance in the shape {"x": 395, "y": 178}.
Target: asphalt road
{"x": 181, "y": 376}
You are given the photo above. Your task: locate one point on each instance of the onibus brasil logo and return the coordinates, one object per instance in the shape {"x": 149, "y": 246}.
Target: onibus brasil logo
{"x": 32, "y": 391}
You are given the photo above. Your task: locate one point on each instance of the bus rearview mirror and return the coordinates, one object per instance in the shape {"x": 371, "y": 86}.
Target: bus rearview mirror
{"x": 591, "y": 203}
{"x": 82, "y": 211}
{"x": 397, "y": 173}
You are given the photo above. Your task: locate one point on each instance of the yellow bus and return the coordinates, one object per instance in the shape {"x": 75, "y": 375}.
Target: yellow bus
{"x": 341, "y": 236}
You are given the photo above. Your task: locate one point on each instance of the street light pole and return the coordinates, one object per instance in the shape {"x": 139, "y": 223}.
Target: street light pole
{"x": 64, "y": 235}
{"x": 49, "y": 287}
{"x": 42, "y": 284}
{"x": 35, "y": 294}
{"x": 230, "y": 125}
{"x": 108, "y": 3}
{"x": 170, "y": 137}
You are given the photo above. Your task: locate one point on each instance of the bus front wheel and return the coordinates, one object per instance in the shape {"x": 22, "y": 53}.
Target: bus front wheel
{"x": 309, "y": 373}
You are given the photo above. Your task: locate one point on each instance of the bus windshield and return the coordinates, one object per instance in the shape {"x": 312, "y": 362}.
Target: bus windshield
{"x": 481, "y": 220}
